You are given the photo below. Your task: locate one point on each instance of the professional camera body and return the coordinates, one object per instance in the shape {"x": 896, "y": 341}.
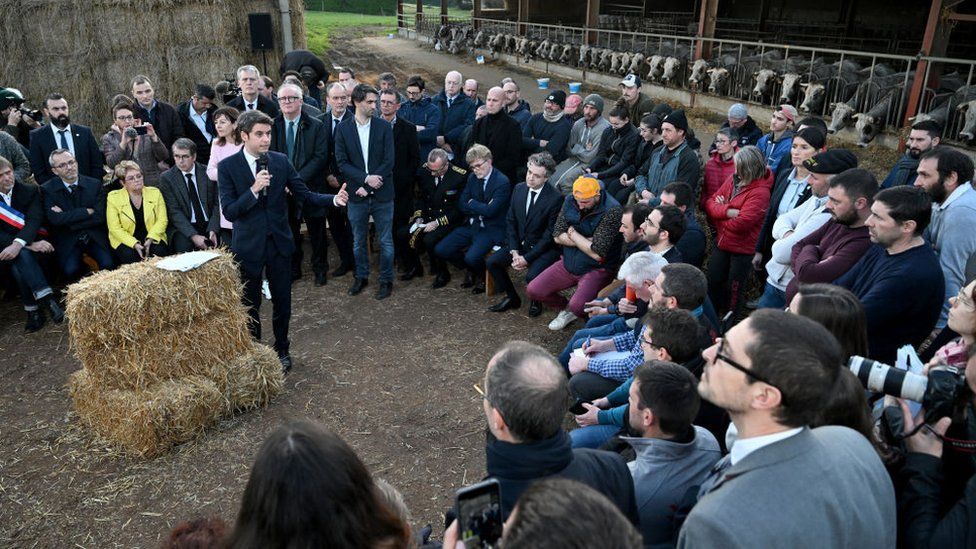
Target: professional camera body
{"x": 35, "y": 114}
{"x": 227, "y": 88}
{"x": 937, "y": 392}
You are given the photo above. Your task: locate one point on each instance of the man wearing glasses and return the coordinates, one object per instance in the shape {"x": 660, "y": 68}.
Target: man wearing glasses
{"x": 191, "y": 201}
{"x": 825, "y": 487}
{"x": 304, "y": 139}
{"x": 74, "y": 206}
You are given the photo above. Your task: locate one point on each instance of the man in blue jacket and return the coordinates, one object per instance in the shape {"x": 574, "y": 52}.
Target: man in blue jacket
{"x": 364, "y": 153}
{"x": 776, "y": 144}
{"x": 485, "y": 203}
{"x": 422, "y": 112}
{"x": 457, "y": 113}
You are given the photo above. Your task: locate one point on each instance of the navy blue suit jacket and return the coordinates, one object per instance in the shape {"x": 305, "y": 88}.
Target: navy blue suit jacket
{"x": 68, "y": 224}
{"x": 87, "y": 152}
{"x": 531, "y": 235}
{"x": 490, "y": 205}
{"x": 349, "y": 157}
{"x": 258, "y": 218}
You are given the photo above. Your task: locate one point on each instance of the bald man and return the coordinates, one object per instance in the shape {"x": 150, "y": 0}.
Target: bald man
{"x": 457, "y": 113}
{"x": 500, "y": 133}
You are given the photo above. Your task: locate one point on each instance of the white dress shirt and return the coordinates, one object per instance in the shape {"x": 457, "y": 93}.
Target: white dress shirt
{"x": 363, "y": 130}
{"x": 200, "y": 120}
{"x": 745, "y": 446}
{"x": 67, "y": 136}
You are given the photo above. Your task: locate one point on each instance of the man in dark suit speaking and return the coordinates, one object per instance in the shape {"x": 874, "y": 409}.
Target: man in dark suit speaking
{"x": 252, "y": 187}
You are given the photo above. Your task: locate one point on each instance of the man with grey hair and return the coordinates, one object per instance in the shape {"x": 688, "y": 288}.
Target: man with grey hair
{"x": 248, "y": 79}
{"x": 525, "y": 399}
{"x": 584, "y": 143}
{"x": 304, "y": 139}
{"x": 529, "y": 246}
{"x": 457, "y": 113}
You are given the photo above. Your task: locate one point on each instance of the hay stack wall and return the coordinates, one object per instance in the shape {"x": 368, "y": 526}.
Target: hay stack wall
{"x": 89, "y": 50}
{"x": 164, "y": 354}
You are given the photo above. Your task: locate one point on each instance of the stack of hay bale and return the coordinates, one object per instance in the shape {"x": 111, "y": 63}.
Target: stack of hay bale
{"x": 164, "y": 354}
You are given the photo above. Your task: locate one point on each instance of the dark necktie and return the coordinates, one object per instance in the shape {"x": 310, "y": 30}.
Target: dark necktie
{"x": 73, "y": 194}
{"x": 335, "y": 124}
{"x": 194, "y": 199}
{"x": 449, "y": 102}
{"x": 64, "y": 140}
{"x": 532, "y": 195}
{"x": 290, "y": 140}
{"x": 250, "y": 106}
{"x": 437, "y": 182}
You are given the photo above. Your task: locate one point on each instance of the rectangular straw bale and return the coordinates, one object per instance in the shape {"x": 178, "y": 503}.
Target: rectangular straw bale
{"x": 250, "y": 380}
{"x": 139, "y": 299}
{"x": 197, "y": 348}
{"x": 149, "y": 422}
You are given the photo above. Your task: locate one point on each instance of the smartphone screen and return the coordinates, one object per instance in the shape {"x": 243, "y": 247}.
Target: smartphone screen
{"x": 479, "y": 513}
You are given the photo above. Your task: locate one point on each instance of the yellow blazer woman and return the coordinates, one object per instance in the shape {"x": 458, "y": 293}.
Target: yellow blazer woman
{"x": 122, "y": 222}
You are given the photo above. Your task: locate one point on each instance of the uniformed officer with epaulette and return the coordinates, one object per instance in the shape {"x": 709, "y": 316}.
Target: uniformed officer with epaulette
{"x": 440, "y": 185}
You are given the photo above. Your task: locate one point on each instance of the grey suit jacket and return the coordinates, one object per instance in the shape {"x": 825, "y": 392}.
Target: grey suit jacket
{"x": 177, "y": 198}
{"x": 822, "y": 488}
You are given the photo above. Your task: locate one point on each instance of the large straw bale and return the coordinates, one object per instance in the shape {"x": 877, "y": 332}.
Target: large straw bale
{"x": 90, "y": 49}
{"x": 250, "y": 380}
{"x": 148, "y": 422}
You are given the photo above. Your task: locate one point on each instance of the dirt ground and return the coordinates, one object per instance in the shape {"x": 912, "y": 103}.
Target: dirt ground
{"x": 394, "y": 378}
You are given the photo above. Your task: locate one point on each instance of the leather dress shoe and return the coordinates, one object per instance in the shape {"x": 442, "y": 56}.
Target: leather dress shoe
{"x": 54, "y": 309}
{"x": 478, "y": 287}
{"x": 35, "y": 321}
{"x": 440, "y": 281}
{"x": 321, "y": 279}
{"x": 341, "y": 270}
{"x": 358, "y": 285}
{"x": 386, "y": 289}
{"x": 468, "y": 281}
{"x": 506, "y": 304}
{"x": 535, "y": 309}
{"x": 285, "y": 363}
{"x": 413, "y": 273}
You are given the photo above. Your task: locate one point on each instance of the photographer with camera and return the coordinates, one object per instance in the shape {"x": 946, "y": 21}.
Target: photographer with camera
{"x": 130, "y": 139}
{"x": 17, "y": 120}
{"x": 935, "y": 478}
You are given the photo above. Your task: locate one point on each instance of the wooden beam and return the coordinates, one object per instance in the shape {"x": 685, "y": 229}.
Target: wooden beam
{"x": 399, "y": 14}
{"x": 420, "y": 13}
{"x": 592, "y": 20}
{"x": 707, "y": 16}
{"x": 523, "y": 16}
{"x": 932, "y": 28}
{"x": 443, "y": 12}
{"x": 763, "y": 14}
{"x": 476, "y": 13}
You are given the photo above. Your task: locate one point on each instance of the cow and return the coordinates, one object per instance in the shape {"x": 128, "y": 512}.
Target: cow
{"x": 497, "y": 43}
{"x": 697, "y": 75}
{"x": 968, "y": 132}
{"x": 764, "y": 79}
{"x": 615, "y": 59}
{"x": 636, "y": 62}
{"x": 624, "y": 62}
{"x": 480, "y": 39}
{"x": 542, "y": 50}
{"x": 606, "y": 59}
{"x": 718, "y": 80}
{"x": 522, "y": 48}
{"x": 841, "y": 116}
{"x": 670, "y": 69}
{"x": 790, "y": 89}
{"x": 814, "y": 96}
{"x": 655, "y": 64}
{"x": 584, "y": 56}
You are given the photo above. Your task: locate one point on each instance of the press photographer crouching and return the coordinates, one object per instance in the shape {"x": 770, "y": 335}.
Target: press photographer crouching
{"x": 937, "y": 492}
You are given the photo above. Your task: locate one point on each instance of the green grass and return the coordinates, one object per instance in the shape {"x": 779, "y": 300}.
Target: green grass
{"x": 320, "y": 26}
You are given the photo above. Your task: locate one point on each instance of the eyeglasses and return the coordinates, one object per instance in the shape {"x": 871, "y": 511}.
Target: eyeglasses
{"x": 134, "y": 177}
{"x": 182, "y": 156}
{"x": 126, "y": 117}
{"x": 65, "y": 164}
{"x": 288, "y": 99}
{"x": 478, "y": 165}
{"x": 720, "y": 355}
{"x": 647, "y": 341}
{"x": 963, "y": 299}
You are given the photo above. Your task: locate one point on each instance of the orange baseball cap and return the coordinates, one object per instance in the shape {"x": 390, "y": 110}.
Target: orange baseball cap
{"x": 585, "y": 188}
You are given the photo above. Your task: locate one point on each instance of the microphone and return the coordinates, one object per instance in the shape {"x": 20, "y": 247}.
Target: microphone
{"x": 262, "y": 164}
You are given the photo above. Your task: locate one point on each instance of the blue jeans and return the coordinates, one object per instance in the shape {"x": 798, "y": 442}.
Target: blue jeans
{"x": 602, "y": 326}
{"x": 382, "y": 213}
{"x": 466, "y": 247}
{"x": 772, "y": 298}
{"x": 592, "y": 436}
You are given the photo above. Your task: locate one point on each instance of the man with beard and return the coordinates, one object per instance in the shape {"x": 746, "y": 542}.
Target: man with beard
{"x": 500, "y": 133}
{"x": 515, "y": 106}
{"x": 899, "y": 282}
{"x": 830, "y": 251}
{"x": 60, "y": 133}
{"x": 637, "y": 102}
{"x": 923, "y": 137}
{"x": 947, "y": 176}
{"x": 664, "y": 226}
{"x": 548, "y": 130}
{"x": 584, "y": 144}
{"x": 675, "y": 161}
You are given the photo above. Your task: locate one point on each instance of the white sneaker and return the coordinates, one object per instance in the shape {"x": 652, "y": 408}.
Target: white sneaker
{"x": 563, "y": 319}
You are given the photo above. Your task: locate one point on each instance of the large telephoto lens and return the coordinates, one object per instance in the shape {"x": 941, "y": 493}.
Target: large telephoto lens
{"x": 881, "y": 378}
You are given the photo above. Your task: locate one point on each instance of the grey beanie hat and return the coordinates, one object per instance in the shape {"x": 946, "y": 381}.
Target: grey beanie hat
{"x": 595, "y": 100}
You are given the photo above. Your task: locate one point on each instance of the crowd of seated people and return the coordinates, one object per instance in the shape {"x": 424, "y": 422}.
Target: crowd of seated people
{"x": 702, "y": 407}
